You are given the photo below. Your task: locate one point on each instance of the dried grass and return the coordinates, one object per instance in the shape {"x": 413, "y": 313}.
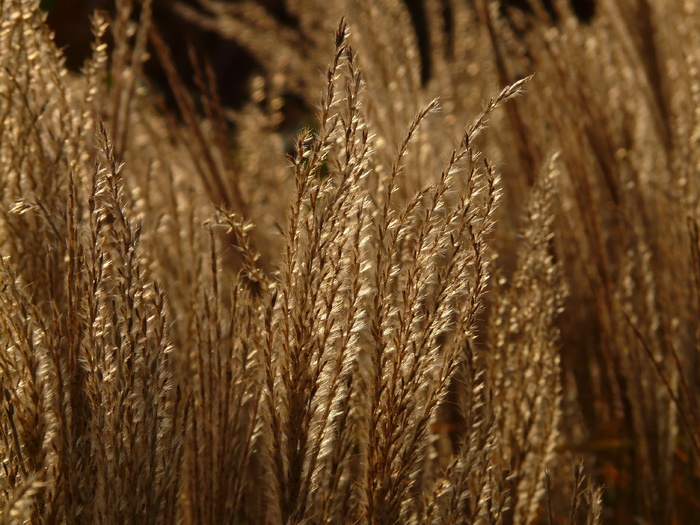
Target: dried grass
{"x": 430, "y": 321}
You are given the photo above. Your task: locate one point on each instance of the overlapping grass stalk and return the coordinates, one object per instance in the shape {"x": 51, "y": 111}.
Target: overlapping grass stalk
{"x": 395, "y": 316}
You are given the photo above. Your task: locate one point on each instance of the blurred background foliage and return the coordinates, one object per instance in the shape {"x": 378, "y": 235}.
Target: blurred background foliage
{"x": 232, "y": 64}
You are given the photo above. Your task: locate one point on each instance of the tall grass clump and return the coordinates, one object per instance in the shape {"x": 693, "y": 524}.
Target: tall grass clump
{"x": 88, "y": 413}
{"x": 410, "y": 306}
{"x": 616, "y": 97}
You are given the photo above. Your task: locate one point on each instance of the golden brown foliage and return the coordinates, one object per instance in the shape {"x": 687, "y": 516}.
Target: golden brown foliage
{"x": 429, "y": 322}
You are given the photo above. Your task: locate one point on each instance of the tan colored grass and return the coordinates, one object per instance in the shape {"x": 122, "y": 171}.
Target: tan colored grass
{"x": 410, "y": 319}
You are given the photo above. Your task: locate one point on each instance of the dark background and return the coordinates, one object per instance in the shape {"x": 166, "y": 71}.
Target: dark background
{"x": 70, "y": 20}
